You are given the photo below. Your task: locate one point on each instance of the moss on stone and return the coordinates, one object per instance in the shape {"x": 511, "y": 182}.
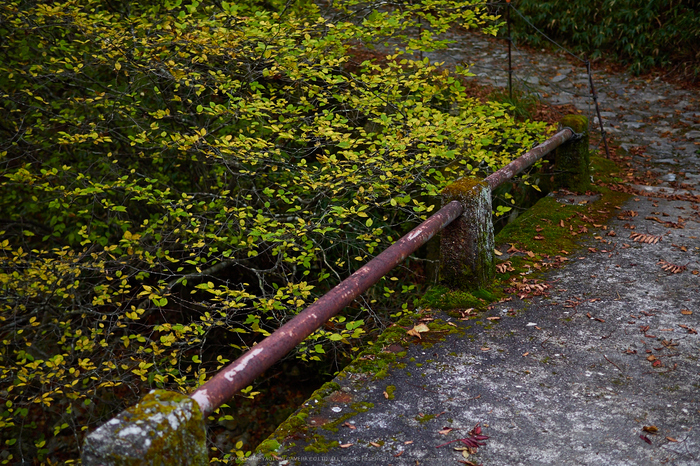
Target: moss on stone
{"x": 572, "y": 166}
{"x": 425, "y": 418}
{"x": 390, "y": 389}
{"x": 466, "y": 245}
{"x": 164, "y": 428}
{"x": 440, "y": 297}
{"x": 320, "y": 444}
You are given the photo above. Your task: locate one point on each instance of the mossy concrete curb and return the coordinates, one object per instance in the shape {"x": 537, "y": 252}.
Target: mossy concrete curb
{"x": 164, "y": 428}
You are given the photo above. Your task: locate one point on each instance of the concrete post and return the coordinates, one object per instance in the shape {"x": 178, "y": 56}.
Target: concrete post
{"x": 164, "y": 428}
{"x": 466, "y": 245}
{"x": 571, "y": 159}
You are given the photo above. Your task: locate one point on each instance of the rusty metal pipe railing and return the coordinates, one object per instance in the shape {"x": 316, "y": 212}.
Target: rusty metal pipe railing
{"x": 528, "y": 158}
{"x": 239, "y": 374}
{"x": 260, "y": 357}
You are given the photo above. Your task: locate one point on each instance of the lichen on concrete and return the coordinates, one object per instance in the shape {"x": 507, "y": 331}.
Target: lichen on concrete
{"x": 165, "y": 428}
{"x": 466, "y": 247}
{"x": 572, "y": 166}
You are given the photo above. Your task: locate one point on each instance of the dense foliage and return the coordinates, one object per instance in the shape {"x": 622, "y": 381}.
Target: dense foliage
{"x": 641, "y": 34}
{"x": 179, "y": 179}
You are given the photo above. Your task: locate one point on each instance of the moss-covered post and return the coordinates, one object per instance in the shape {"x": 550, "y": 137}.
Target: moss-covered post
{"x": 572, "y": 160}
{"x": 466, "y": 245}
{"x": 164, "y": 428}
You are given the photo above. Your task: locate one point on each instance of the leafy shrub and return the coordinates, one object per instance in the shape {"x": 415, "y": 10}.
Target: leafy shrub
{"x": 641, "y": 34}
{"x": 179, "y": 180}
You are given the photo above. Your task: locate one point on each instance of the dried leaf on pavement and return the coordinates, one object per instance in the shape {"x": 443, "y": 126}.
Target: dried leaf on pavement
{"x": 669, "y": 267}
{"x": 645, "y": 238}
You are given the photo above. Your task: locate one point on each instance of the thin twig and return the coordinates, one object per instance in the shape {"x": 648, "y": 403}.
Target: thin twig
{"x": 618, "y": 367}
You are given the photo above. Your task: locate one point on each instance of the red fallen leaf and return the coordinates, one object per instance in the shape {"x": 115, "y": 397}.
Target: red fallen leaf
{"x": 656, "y": 363}
{"x": 399, "y": 454}
{"x": 477, "y": 430}
{"x": 469, "y": 442}
{"x": 645, "y": 438}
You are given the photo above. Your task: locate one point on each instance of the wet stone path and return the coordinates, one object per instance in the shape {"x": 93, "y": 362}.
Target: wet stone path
{"x": 658, "y": 119}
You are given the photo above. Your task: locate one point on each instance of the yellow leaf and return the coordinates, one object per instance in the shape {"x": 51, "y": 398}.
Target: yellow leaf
{"x": 418, "y": 329}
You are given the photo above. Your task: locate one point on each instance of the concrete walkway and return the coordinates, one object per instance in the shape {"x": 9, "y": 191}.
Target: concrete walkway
{"x": 602, "y": 370}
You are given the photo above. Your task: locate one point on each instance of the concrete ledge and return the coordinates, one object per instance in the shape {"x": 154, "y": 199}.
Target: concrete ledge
{"x": 466, "y": 245}
{"x": 164, "y": 428}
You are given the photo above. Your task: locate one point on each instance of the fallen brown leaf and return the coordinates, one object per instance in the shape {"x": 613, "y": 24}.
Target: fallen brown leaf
{"x": 650, "y": 429}
{"x": 645, "y": 238}
{"x": 669, "y": 267}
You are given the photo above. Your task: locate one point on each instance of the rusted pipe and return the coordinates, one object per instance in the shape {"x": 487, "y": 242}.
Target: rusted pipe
{"x": 240, "y": 373}
{"x": 528, "y": 158}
